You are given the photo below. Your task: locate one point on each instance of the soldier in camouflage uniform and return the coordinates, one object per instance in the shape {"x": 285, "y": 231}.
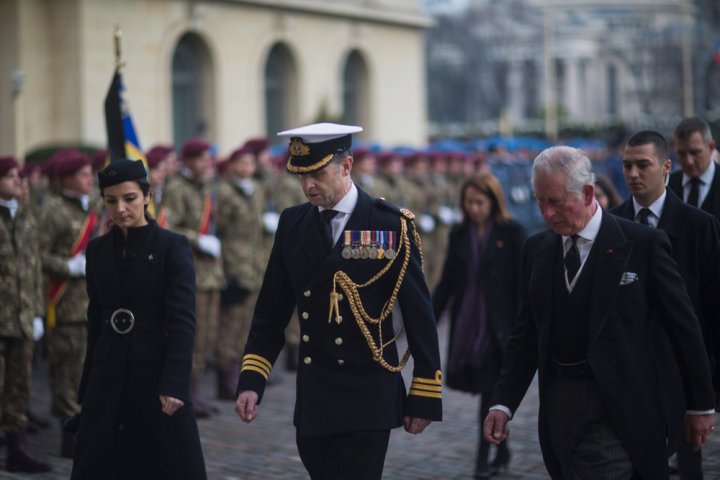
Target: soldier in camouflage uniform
{"x": 69, "y": 220}
{"x": 240, "y": 229}
{"x": 20, "y": 311}
{"x": 190, "y": 204}
{"x": 365, "y": 173}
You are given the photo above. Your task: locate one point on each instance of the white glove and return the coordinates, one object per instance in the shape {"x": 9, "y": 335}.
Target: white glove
{"x": 426, "y": 223}
{"x": 38, "y": 328}
{"x": 446, "y": 214}
{"x": 76, "y": 265}
{"x": 209, "y": 244}
{"x": 270, "y": 221}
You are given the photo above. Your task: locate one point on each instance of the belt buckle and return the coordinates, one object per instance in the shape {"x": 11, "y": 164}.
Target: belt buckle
{"x": 130, "y": 319}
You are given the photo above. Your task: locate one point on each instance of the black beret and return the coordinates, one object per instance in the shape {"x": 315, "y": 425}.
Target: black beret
{"x": 119, "y": 171}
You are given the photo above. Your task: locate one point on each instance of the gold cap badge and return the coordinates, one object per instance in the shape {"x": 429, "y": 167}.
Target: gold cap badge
{"x": 298, "y": 148}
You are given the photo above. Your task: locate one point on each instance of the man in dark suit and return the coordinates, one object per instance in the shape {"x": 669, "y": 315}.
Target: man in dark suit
{"x": 695, "y": 238}
{"x": 698, "y": 180}
{"x": 599, "y": 299}
{"x": 343, "y": 259}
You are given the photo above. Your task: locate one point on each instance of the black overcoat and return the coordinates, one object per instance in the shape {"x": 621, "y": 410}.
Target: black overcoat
{"x": 695, "y": 238}
{"x": 340, "y": 386}
{"x": 123, "y": 432}
{"x": 638, "y": 299}
{"x": 711, "y": 204}
{"x": 499, "y": 268}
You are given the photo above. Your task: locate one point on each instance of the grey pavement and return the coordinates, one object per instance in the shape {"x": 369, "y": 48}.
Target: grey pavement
{"x": 265, "y": 449}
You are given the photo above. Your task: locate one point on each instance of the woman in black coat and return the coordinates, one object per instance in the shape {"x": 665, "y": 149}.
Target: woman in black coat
{"x": 480, "y": 282}
{"x": 137, "y": 421}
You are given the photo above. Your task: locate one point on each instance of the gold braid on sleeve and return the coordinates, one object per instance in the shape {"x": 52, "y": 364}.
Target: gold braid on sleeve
{"x": 352, "y": 293}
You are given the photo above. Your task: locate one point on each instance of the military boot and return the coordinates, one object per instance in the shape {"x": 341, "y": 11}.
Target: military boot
{"x": 18, "y": 459}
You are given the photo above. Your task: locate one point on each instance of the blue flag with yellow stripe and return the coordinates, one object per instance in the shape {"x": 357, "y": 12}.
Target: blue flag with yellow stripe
{"x": 123, "y": 141}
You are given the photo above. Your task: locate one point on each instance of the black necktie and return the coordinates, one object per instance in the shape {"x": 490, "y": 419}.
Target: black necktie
{"x": 643, "y": 215}
{"x": 694, "y": 196}
{"x": 327, "y": 236}
{"x": 572, "y": 259}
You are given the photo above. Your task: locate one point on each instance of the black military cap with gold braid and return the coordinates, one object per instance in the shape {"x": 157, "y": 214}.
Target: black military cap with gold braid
{"x": 312, "y": 147}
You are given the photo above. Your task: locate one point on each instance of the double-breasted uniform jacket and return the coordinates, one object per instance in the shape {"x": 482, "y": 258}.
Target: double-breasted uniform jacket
{"x": 695, "y": 239}
{"x": 711, "y": 204}
{"x": 638, "y": 300}
{"x": 340, "y": 387}
{"x": 499, "y": 269}
{"x": 122, "y": 427}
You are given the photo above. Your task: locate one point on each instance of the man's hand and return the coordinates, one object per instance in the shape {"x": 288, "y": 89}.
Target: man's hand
{"x": 415, "y": 425}
{"x": 495, "y": 427}
{"x": 698, "y": 428}
{"x": 170, "y": 404}
{"x": 246, "y": 405}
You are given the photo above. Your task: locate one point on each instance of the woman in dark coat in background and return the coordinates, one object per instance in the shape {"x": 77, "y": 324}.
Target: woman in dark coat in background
{"x": 137, "y": 421}
{"x": 480, "y": 281}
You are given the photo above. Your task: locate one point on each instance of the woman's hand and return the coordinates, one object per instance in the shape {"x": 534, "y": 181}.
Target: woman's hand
{"x": 170, "y": 405}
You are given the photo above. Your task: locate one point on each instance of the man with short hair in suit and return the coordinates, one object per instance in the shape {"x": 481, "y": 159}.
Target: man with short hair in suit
{"x": 698, "y": 180}
{"x": 600, "y": 298}
{"x": 695, "y": 238}
{"x": 343, "y": 259}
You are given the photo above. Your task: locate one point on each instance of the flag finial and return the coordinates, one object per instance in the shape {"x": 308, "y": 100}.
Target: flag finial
{"x": 117, "y": 36}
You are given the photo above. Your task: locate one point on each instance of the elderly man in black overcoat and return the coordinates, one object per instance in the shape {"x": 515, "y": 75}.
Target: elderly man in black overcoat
{"x": 344, "y": 259}
{"x": 599, "y": 298}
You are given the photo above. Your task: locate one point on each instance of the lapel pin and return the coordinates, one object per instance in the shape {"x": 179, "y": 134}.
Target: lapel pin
{"x": 610, "y": 251}
{"x": 151, "y": 257}
{"x": 499, "y": 244}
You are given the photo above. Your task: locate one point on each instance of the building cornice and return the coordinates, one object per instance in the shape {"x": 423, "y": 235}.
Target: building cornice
{"x": 365, "y": 11}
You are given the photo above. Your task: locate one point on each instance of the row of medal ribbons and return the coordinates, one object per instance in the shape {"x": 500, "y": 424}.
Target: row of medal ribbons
{"x": 372, "y": 244}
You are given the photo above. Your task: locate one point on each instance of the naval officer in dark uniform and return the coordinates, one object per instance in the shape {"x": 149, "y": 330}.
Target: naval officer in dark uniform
{"x": 344, "y": 259}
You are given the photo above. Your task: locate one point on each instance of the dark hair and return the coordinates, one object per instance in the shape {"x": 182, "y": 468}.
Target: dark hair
{"x": 487, "y": 184}
{"x": 144, "y": 185}
{"x": 614, "y": 198}
{"x": 690, "y": 125}
{"x": 651, "y": 137}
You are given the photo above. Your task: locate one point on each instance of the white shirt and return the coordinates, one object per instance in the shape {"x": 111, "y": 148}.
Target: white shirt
{"x": 344, "y": 207}
{"x": 11, "y": 205}
{"x": 586, "y": 238}
{"x": 656, "y": 209}
{"x": 706, "y": 179}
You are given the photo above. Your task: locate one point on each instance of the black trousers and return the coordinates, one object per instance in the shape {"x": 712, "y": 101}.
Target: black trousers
{"x": 344, "y": 456}
{"x": 581, "y": 436}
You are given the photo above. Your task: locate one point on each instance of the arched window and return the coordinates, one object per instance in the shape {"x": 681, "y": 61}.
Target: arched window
{"x": 355, "y": 91}
{"x": 192, "y": 96}
{"x": 280, "y": 91}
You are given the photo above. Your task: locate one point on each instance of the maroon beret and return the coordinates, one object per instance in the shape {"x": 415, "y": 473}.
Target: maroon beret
{"x": 98, "y": 159}
{"x": 157, "y": 154}
{"x": 257, "y": 145}
{"x": 68, "y": 161}
{"x": 7, "y": 163}
{"x": 29, "y": 168}
{"x": 360, "y": 153}
{"x": 240, "y": 151}
{"x": 222, "y": 166}
{"x": 384, "y": 158}
{"x": 194, "y": 148}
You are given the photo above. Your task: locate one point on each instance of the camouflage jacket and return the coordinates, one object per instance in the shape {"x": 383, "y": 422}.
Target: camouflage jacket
{"x": 183, "y": 202}
{"x": 21, "y": 293}
{"x": 61, "y": 222}
{"x": 240, "y": 228}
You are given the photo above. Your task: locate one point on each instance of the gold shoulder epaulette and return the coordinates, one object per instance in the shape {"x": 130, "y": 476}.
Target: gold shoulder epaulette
{"x": 407, "y": 214}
